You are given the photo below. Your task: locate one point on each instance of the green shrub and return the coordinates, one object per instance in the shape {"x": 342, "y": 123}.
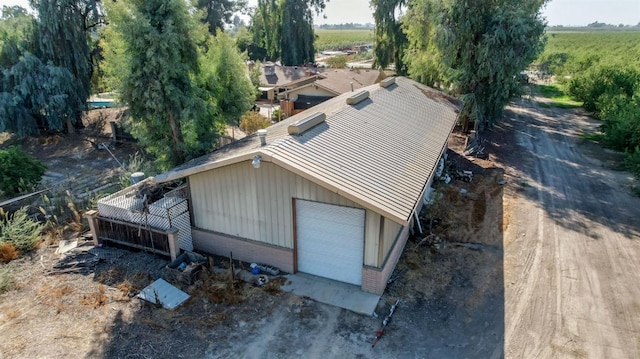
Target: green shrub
{"x": 621, "y": 121}
{"x": 20, "y": 231}
{"x": 6, "y": 280}
{"x": 19, "y": 172}
{"x": 136, "y": 163}
{"x": 604, "y": 81}
{"x": 278, "y": 115}
{"x": 337, "y": 62}
{"x": 632, "y": 161}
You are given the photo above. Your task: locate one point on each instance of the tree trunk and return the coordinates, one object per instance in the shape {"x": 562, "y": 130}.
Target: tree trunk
{"x": 465, "y": 124}
{"x": 177, "y": 137}
{"x": 70, "y": 128}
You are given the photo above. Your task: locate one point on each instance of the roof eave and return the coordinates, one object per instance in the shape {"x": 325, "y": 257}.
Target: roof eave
{"x": 282, "y": 162}
{"x": 174, "y": 175}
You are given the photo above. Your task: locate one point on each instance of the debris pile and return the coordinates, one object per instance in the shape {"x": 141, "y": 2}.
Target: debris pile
{"x": 385, "y": 322}
{"x": 474, "y": 148}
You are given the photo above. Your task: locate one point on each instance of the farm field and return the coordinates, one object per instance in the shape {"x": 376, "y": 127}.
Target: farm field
{"x": 575, "y": 51}
{"x": 342, "y": 38}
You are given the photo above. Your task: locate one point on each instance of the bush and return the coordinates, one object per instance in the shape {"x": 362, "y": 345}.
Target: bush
{"x": 7, "y": 252}
{"x": 136, "y": 163}
{"x": 604, "y": 81}
{"x": 278, "y": 115}
{"x": 6, "y": 280}
{"x": 337, "y": 62}
{"x": 18, "y": 171}
{"x": 20, "y": 231}
{"x": 632, "y": 161}
{"x": 253, "y": 121}
{"x": 621, "y": 121}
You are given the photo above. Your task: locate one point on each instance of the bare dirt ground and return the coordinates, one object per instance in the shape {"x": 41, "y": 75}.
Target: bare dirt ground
{"x": 548, "y": 271}
{"x": 572, "y": 247}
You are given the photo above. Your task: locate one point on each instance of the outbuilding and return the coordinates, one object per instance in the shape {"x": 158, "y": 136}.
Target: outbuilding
{"x": 331, "y": 191}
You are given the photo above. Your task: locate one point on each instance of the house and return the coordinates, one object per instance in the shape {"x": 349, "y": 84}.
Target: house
{"x": 332, "y": 191}
{"x": 328, "y": 83}
{"x": 298, "y": 88}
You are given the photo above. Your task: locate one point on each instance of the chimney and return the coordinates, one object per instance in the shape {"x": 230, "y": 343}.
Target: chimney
{"x": 263, "y": 137}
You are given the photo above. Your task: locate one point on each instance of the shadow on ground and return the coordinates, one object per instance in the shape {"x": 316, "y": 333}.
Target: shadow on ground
{"x": 550, "y": 149}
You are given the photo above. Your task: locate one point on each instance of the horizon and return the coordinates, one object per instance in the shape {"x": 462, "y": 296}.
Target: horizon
{"x": 567, "y": 13}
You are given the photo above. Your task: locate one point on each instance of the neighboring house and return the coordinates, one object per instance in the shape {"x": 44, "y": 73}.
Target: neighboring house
{"x": 332, "y": 191}
{"x": 298, "y": 88}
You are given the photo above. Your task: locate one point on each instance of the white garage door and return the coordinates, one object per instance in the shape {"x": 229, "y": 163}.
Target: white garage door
{"x": 330, "y": 241}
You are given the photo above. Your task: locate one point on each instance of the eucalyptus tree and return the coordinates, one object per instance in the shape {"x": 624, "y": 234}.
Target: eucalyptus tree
{"x": 297, "y": 33}
{"x": 284, "y": 29}
{"x": 63, "y": 42}
{"x": 476, "y": 49}
{"x": 486, "y": 44}
{"x": 266, "y": 29}
{"x": 389, "y": 40}
{"x": 218, "y": 13}
{"x": 46, "y": 74}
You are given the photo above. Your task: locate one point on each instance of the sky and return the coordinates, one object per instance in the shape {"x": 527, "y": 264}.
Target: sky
{"x": 557, "y": 12}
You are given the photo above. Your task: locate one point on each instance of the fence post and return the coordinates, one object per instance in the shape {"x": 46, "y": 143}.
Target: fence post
{"x": 172, "y": 237}
{"x": 92, "y": 218}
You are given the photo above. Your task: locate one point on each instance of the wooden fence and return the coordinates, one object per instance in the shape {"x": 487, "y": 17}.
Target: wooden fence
{"x": 133, "y": 235}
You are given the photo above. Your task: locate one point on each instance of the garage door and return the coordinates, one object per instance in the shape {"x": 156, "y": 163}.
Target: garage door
{"x": 330, "y": 241}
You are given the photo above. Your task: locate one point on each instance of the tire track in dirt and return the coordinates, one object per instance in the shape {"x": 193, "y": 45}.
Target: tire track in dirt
{"x": 572, "y": 297}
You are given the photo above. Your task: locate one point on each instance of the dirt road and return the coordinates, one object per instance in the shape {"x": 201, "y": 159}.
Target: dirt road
{"x": 572, "y": 279}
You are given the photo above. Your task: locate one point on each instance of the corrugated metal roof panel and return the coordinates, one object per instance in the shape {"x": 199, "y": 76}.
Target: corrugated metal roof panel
{"x": 379, "y": 153}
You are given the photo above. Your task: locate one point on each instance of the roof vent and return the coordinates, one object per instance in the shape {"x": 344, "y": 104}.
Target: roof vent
{"x": 300, "y": 126}
{"x": 357, "y": 98}
{"x": 263, "y": 136}
{"x": 388, "y": 82}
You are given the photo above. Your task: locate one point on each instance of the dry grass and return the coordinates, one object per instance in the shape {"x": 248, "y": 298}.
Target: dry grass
{"x": 49, "y": 140}
{"x": 12, "y": 313}
{"x": 128, "y": 285}
{"x": 95, "y": 299}
{"x": 275, "y": 285}
{"x": 7, "y": 252}
{"x": 61, "y": 291}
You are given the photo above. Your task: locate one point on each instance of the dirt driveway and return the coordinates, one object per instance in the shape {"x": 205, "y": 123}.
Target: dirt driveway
{"x": 543, "y": 266}
{"x": 572, "y": 277}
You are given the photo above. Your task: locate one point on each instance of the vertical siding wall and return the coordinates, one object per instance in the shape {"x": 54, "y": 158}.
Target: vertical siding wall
{"x": 255, "y": 204}
{"x": 374, "y": 280}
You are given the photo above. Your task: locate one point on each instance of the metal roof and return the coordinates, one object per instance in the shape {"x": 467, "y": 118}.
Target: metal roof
{"x": 379, "y": 153}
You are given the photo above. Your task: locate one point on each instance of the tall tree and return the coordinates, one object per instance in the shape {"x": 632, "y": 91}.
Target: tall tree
{"x": 297, "y": 32}
{"x": 390, "y": 41}
{"x": 218, "y": 13}
{"x": 46, "y": 76}
{"x": 227, "y": 93}
{"x": 284, "y": 29}
{"x": 422, "y": 56}
{"x": 481, "y": 46}
{"x": 162, "y": 58}
{"x": 182, "y": 85}
{"x": 16, "y": 34}
{"x": 63, "y": 42}
{"x": 266, "y": 29}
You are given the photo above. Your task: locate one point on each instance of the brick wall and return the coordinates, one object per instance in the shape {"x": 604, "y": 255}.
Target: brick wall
{"x": 374, "y": 280}
{"x": 243, "y": 249}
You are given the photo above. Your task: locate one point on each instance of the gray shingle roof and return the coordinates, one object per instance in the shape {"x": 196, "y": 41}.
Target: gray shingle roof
{"x": 379, "y": 153}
